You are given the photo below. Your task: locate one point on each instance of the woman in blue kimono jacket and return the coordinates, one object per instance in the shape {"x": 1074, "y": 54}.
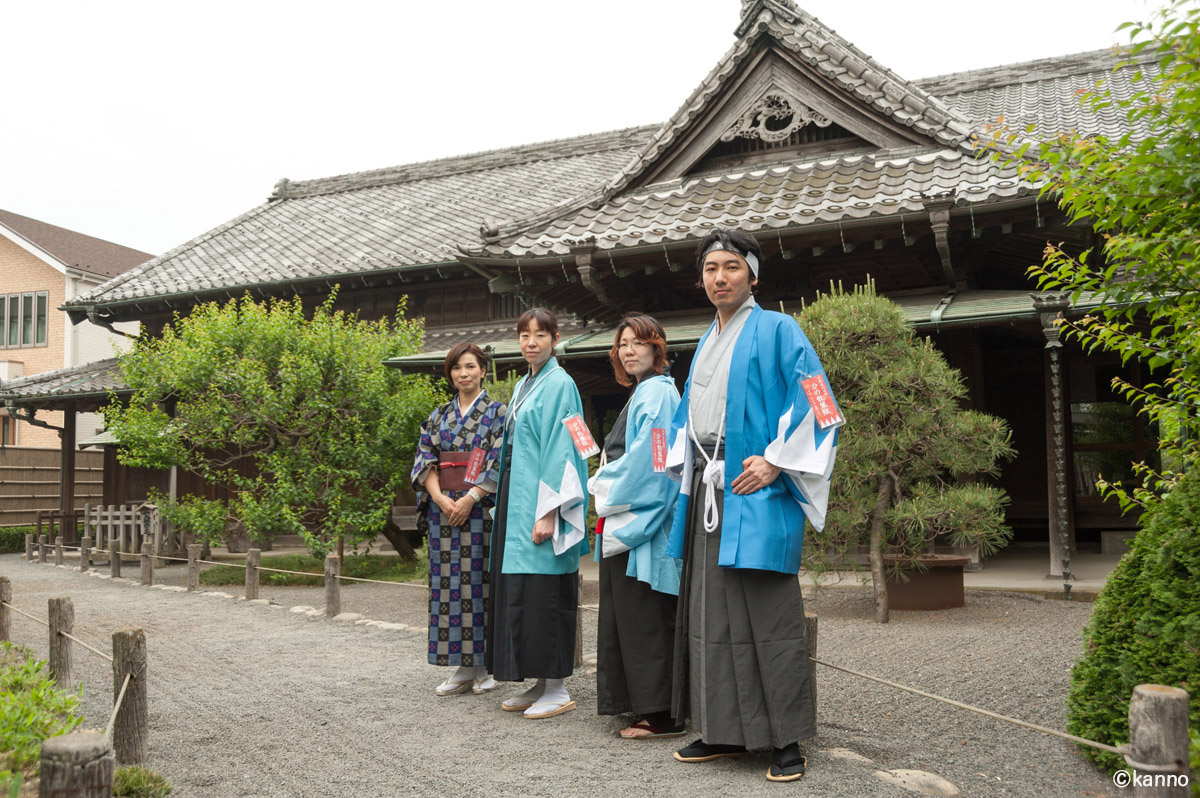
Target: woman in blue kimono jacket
{"x": 539, "y": 532}
{"x": 453, "y": 508}
{"x": 635, "y": 498}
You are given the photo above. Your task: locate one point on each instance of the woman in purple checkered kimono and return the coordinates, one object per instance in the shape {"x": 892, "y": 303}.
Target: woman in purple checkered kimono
{"x": 455, "y": 476}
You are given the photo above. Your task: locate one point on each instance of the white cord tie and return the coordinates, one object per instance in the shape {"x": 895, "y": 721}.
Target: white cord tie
{"x": 713, "y": 476}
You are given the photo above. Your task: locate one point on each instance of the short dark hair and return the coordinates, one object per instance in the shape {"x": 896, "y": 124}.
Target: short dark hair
{"x": 732, "y": 240}
{"x": 648, "y": 330}
{"x": 456, "y": 353}
{"x": 545, "y": 321}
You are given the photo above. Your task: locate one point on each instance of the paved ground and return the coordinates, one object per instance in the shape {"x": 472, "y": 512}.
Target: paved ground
{"x": 251, "y": 700}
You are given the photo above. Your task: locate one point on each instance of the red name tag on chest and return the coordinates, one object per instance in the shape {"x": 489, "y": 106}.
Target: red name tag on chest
{"x": 475, "y": 464}
{"x": 821, "y": 399}
{"x": 658, "y": 449}
{"x": 581, "y": 436}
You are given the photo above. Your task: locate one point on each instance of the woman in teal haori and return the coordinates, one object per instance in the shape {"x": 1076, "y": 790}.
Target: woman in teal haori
{"x": 455, "y": 475}
{"x": 635, "y": 499}
{"x": 539, "y": 532}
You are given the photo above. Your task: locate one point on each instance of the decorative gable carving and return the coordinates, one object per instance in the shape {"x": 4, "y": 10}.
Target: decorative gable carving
{"x": 773, "y": 118}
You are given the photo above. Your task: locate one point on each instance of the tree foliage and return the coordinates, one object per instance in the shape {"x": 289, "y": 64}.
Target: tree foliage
{"x": 1138, "y": 192}
{"x": 297, "y": 415}
{"x": 910, "y": 454}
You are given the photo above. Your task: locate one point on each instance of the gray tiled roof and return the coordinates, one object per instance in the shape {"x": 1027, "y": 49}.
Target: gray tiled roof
{"x": 89, "y": 379}
{"x": 774, "y": 198}
{"x": 1045, "y": 92}
{"x": 385, "y": 219}
{"x": 851, "y": 187}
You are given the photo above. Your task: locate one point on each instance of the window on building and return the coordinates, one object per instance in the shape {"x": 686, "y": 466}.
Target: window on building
{"x": 24, "y": 319}
{"x": 8, "y": 430}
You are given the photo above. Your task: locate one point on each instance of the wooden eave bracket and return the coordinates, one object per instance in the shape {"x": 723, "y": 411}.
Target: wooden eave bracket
{"x": 589, "y": 277}
{"x": 939, "y": 219}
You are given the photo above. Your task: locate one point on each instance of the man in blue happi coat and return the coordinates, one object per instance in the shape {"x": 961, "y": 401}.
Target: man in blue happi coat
{"x": 753, "y": 441}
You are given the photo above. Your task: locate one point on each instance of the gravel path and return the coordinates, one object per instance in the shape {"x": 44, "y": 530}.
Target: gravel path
{"x": 252, "y": 700}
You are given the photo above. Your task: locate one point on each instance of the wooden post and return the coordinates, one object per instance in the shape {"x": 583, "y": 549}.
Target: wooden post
{"x": 77, "y": 766}
{"x": 810, "y": 637}
{"x": 42, "y": 548}
{"x": 66, "y": 495}
{"x": 85, "y": 553}
{"x": 147, "y": 562}
{"x": 58, "y": 549}
{"x": 131, "y": 729}
{"x": 1158, "y": 736}
{"x": 5, "y": 615}
{"x": 333, "y": 585}
{"x": 28, "y": 547}
{"x": 62, "y": 619}
{"x": 38, "y": 528}
{"x": 87, "y": 518}
{"x": 114, "y": 558}
{"x": 253, "y": 556}
{"x": 193, "y": 567}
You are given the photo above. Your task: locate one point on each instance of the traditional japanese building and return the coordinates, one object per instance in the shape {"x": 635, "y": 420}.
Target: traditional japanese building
{"x": 843, "y": 170}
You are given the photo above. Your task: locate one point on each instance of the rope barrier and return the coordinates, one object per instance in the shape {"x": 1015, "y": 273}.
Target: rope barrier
{"x": 85, "y": 645}
{"x": 1122, "y": 751}
{"x": 112, "y": 719}
{"x": 27, "y": 615}
{"x": 960, "y": 705}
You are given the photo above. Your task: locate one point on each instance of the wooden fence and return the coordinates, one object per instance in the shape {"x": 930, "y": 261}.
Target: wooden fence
{"x": 130, "y": 526}
{"x": 30, "y": 479}
{"x": 81, "y": 764}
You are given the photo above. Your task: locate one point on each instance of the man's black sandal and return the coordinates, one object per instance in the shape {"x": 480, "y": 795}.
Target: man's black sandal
{"x": 701, "y": 751}
{"x": 787, "y": 764}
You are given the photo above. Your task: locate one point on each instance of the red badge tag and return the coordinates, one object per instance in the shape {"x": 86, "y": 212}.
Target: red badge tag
{"x": 475, "y": 465}
{"x": 599, "y": 526}
{"x": 658, "y": 449}
{"x": 821, "y": 400}
{"x": 581, "y": 436}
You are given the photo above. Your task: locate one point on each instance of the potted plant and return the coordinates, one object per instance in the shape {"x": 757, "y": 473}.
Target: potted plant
{"x": 911, "y": 460}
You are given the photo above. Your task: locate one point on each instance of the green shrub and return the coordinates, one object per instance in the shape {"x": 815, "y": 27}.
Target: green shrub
{"x": 135, "y": 781}
{"x": 32, "y": 709}
{"x": 12, "y": 538}
{"x": 1145, "y": 628}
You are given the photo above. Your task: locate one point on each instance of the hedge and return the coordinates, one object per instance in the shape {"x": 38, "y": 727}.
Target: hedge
{"x": 1145, "y": 628}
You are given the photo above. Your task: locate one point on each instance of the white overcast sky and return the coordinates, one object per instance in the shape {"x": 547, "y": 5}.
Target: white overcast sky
{"x": 149, "y": 123}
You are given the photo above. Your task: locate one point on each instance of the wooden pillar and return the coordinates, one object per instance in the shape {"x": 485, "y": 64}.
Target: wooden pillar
{"x": 66, "y": 496}
{"x": 76, "y": 766}
{"x": 147, "y": 562}
{"x": 114, "y": 558}
{"x": 85, "y": 553}
{"x": 1058, "y": 465}
{"x": 333, "y": 585}
{"x": 28, "y": 547}
{"x": 1158, "y": 740}
{"x": 131, "y": 728}
{"x": 193, "y": 579}
{"x": 58, "y": 550}
{"x": 62, "y": 619}
{"x": 5, "y": 615}
{"x": 253, "y": 557}
{"x": 42, "y": 543}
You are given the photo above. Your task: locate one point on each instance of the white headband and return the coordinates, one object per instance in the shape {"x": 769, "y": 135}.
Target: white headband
{"x": 722, "y": 245}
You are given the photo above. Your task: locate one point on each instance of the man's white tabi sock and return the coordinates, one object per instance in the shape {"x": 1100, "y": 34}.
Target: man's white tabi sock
{"x": 532, "y": 694}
